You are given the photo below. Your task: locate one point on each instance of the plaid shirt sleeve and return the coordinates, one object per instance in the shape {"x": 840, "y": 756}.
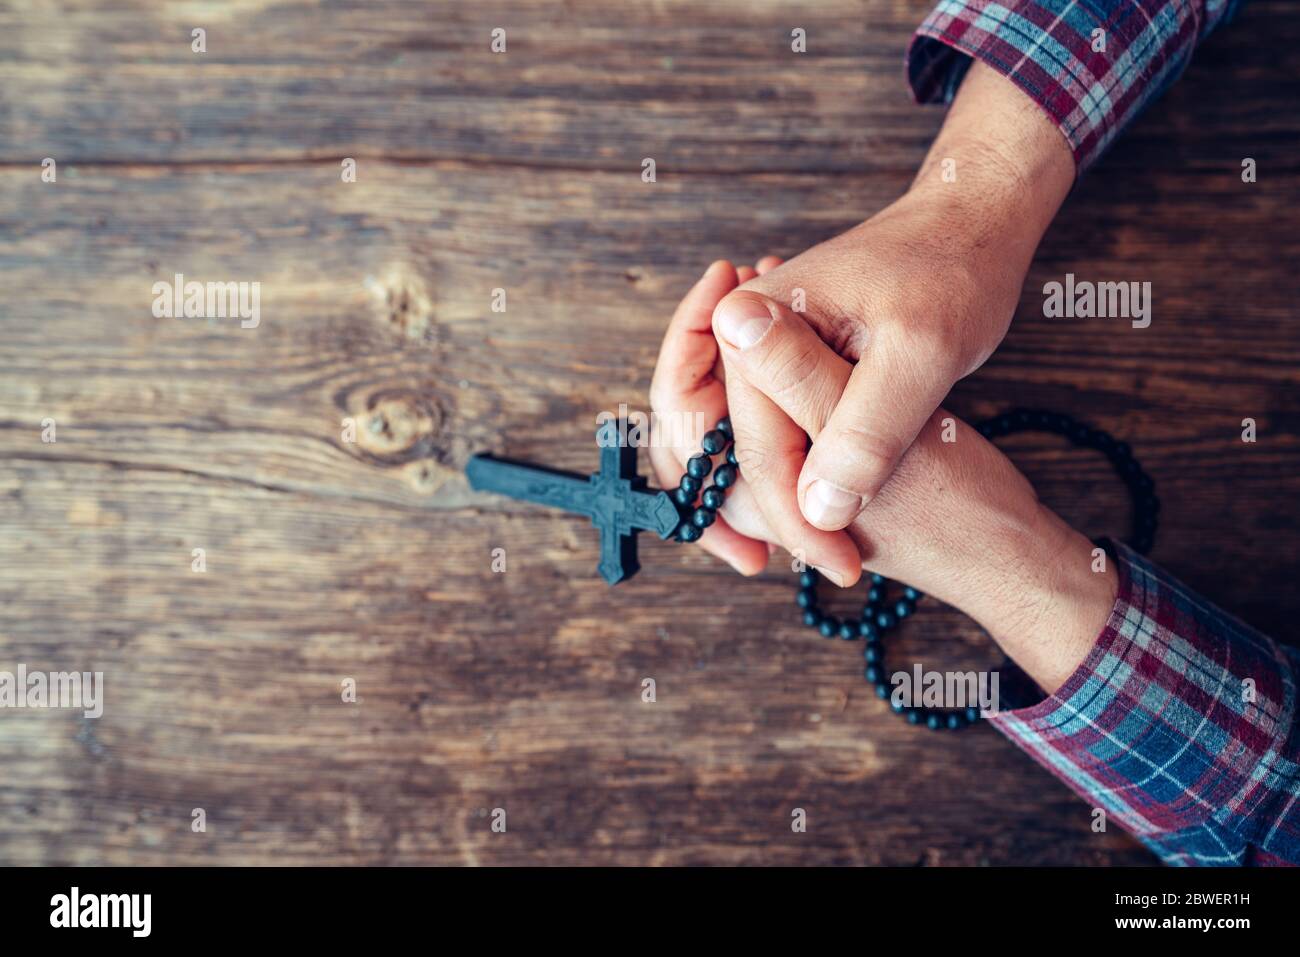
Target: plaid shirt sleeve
{"x": 1180, "y": 724}
{"x": 1093, "y": 65}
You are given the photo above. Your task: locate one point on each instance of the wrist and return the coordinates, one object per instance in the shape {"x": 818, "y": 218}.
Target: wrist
{"x": 1000, "y": 164}
{"x": 1051, "y": 600}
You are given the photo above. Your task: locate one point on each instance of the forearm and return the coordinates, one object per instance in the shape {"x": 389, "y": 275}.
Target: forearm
{"x": 989, "y": 548}
{"x": 1043, "y": 595}
{"x": 1180, "y": 724}
{"x": 999, "y": 155}
{"x": 1000, "y": 166}
{"x": 1167, "y": 713}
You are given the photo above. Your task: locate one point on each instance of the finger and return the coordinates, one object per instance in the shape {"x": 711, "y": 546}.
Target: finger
{"x": 743, "y": 514}
{"x": 685, "y": 389}
{"x": 689, "y": 350}
{"x": 747, "y": 555}
{"x": 889, "y": 397}
{"x": 780, "y": 386}
{"x": 778, "y": 353}
{"x": 770, "y": 449}
{"x": 746, "y": 273}
{"x": 767, "y": 264}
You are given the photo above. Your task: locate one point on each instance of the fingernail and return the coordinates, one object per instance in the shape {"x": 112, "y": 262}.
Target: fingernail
{"x": 835, "y": 577}
{"x": 742, "y": 322}
{"x": 827, "y": 504}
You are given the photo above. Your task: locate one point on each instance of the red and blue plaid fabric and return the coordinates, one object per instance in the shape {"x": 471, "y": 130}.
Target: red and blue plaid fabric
{"x": 1093, "y": 65}
{"x": 1180, "y": 725}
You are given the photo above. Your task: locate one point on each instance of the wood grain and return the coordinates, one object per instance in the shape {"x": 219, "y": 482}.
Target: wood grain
{"x": 370, "y": 560}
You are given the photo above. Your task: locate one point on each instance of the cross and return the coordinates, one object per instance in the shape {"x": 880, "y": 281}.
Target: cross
{"x": 616, "y": 498}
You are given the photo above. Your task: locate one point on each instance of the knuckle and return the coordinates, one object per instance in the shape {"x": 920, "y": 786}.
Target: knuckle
{"x": 755, "y": 462}
{"x": 872, "y": 454}
{"x": 789, "y": 368}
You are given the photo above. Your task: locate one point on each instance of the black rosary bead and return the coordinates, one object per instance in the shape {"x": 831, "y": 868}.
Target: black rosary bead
{"x": 933, "y": 721}
{"x": 867, "y": 629}
{"x": 703, "y": 517}
{"x": 849, "y": 631}
{"x": 808, "y": 578}
{"x": 686, "y": 532}
{"x": 725, "y": 476}
{"x": 682, "y": 497}
{"x": 875, "y": 595}
{"x": 807, "y": 598}
{"x": 882, "y": 692}
{"x": 903, "y": 608}
{"x": 713, "y": 497}
{"x": 872, "y": 654}
{"x": 829, "y": 626}
{"x": 699, "y": 466}
{"x": 724, "y": 426}
{"x": 731, "y": 456}
{"x": 690, "y": 485}
{"x": 713, "y": 442}
{"x": 912, "y": 716}
{"x": 911, "y": 594}
{"x": 886, "y": 620}
{"x": 811, "y": 617}
{"x": 871, "y": 673}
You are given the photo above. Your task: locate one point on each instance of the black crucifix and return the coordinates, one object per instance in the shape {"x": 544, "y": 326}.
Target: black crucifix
{"x": 616, "y": 498}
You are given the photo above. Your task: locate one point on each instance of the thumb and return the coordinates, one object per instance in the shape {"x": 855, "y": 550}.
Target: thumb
{"x": 888, "y": 399}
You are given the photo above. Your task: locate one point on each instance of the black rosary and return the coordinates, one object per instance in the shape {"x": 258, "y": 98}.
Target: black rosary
{"x": 620, "y": 504}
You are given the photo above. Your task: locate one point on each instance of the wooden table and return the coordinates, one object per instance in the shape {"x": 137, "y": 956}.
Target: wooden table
{"x": 370, "y": 560}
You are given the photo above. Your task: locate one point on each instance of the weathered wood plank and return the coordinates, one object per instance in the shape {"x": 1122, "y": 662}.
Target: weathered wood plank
{"x": 370, "y": 560}
{"x": 581, "y": 86}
